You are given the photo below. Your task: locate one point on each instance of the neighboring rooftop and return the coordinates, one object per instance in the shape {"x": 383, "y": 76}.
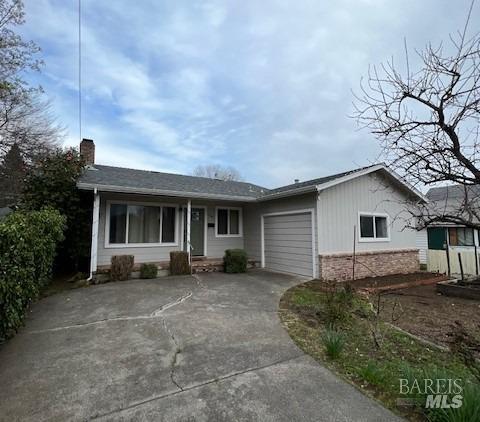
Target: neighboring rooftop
{"x": 443, "y": 193}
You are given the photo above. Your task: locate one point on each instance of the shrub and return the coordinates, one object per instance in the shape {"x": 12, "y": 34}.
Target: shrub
{"x": 121, "y": 267}
{"x": 28, "y": 242}
{"x": 148, "y": 271}
{"x": 235, "y": 261}
{"x": 334, "y": 342}
{"x": 179, "y": 264}
{"x": 372, "y": 373}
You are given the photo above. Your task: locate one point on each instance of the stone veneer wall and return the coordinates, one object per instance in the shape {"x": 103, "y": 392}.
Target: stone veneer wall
{"x": 338, "y": 267}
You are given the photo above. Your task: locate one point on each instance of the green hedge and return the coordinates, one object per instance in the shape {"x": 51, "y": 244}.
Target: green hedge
{"x": 148, "y": 271}
{"x": 235, "y": 261}
{"x": 28, "y": 241}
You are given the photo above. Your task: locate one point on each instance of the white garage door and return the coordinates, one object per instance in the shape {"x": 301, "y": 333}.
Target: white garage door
{"x": 288, "y": 243}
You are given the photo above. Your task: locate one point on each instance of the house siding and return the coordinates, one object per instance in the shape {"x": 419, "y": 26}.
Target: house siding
{"x": 216, "y": 246}
{"x": 338, "y": 209}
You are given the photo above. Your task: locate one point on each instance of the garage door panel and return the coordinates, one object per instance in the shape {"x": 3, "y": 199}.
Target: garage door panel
{"x": 286, "y": 218}
{"x": 272, "y": 258}
{"x": 288, "y": 243}
{"x": 295, "y": 231}
{"x": 290, "y": 224}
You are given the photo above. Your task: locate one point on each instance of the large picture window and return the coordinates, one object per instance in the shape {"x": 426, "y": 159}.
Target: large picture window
{"x": 138, "y": 224}
{"x": 229, "y": 222}
{"x": 374, "y": 227}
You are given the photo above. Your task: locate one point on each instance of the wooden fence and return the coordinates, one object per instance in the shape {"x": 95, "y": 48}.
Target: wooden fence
{"x": 438, "y": 262}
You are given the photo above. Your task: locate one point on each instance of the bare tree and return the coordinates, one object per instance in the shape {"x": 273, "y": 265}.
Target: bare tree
{"x": 25, "y": 117}
{"x": 427, "y": 121}
{"x": 216, "y": 171}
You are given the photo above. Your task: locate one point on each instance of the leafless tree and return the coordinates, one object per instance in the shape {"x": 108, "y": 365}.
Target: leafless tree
{"x": 427, "y": 121}
{"x": 216, "y": 171}
{"x": 25, "y": 116}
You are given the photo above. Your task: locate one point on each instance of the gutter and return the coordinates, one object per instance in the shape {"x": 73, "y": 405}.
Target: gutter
{"x": 147, "y": 191}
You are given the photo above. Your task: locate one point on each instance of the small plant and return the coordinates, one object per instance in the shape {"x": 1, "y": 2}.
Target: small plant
{"x": 334, "y": 342}
{"x": 121, "y": 267}
{"x": 372, "y": 373}
{"x": 179, "y": 264}
{"x": 148, "y": 271}
{"x": 235, "y": 261}
{"x": 338, "y": 303}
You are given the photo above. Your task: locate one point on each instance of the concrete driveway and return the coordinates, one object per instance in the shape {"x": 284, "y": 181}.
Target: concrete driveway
{"x": 207, "y": 348}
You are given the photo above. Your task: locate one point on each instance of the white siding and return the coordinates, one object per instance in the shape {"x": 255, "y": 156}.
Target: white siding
{"x": 421, "y": 242}
{"x": 215, "y": 245}
{"x": 338, "y": 209}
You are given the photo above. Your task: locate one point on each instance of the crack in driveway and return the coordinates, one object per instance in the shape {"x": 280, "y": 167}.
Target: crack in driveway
{"x": 155, "y": 314}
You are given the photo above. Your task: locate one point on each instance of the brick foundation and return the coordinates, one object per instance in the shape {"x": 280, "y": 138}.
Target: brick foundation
{"x": 338, "y": 267}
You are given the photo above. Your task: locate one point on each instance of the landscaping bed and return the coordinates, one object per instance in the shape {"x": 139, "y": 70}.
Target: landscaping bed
{"x": 426, "y": 313}
{"x": 346, "y": 335}
{"x": 398, "y": 281}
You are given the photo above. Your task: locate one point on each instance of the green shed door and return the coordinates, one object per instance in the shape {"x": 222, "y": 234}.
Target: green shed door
{"x": 437, "y": 237}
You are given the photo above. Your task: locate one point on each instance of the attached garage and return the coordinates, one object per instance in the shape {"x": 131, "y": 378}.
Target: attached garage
{"x": 288, "y": 242}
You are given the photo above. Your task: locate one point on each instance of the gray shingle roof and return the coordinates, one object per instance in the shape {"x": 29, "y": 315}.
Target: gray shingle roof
{"x": 125, "y": 179}
{"x": 108, "y": 176}
{"x": 315, "y": 182}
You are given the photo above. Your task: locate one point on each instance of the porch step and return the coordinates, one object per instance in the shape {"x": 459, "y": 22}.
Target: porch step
{"x": 206, "y": 265}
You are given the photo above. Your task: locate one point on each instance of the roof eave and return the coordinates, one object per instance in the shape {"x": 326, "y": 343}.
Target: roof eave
{"x": 284, "y": 194}
{"x": 162, "y": 192}
{"x": 369, "y": 170}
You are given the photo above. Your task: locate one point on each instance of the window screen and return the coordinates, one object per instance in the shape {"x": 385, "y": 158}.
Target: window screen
{"x": 168, "y": 225}
{"x": 222, "y": 221}
{"x": 118, "y": 223}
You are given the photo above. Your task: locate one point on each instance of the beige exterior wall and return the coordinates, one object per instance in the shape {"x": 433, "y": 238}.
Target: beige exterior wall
{"x": 215, "y": 245}
{"x": 338, "y": 214}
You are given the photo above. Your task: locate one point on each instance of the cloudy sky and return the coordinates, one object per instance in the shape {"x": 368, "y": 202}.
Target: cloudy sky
{"x": 264, "y": 86}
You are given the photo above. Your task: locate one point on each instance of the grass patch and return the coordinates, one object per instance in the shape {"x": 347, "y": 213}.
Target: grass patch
{"x": 347, "y": 347}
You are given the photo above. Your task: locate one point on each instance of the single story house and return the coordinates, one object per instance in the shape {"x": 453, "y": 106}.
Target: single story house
{"x": 445, "y": 239}
{"x": 309, "y": 228}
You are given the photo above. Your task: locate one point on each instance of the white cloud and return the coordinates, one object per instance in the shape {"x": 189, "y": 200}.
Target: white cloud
{"x": 263, "y": 86}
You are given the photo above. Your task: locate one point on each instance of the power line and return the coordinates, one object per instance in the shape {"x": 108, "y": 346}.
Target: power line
{"x": 80, "y": 69}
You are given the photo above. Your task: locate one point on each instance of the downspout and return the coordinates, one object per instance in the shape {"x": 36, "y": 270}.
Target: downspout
{"x": 95, "y": 221}
{"x": 189, "y": 221}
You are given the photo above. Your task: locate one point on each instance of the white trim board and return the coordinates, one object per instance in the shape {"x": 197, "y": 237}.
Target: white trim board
{"x": 293, "y": 212}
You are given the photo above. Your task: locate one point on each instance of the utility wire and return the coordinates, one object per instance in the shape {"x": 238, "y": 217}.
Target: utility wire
{"x": 80, "y": 69}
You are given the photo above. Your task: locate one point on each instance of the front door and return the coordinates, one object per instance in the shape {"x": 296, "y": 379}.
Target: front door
{"x": 197, "y": 231}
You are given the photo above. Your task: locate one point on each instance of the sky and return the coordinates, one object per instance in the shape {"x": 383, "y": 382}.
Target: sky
{"x": 263, "y": 86}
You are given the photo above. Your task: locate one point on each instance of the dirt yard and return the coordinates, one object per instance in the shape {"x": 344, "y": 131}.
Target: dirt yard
{"x": 423, "y": 312}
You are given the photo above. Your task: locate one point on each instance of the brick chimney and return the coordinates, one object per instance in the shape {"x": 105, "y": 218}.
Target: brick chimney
{"x": 87, "y": 151}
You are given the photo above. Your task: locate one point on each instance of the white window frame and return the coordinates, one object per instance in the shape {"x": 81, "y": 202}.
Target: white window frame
{"x": 109, "y": 245}
{"x": 240, "y": 221}
{"x": 374, "y": 238}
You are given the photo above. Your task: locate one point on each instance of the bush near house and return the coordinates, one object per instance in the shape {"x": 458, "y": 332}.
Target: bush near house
{"x": 179, "y": 264}
{"x": 121, "y": 267}
{"x": 235, "y": 261}
{"x": 28, "y": 242}
{"x": 148, "y": 271}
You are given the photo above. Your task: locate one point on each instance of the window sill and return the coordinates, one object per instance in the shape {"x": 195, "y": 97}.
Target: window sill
{"x": 138, "y": 245}
{"x": 228, "y": 235}
{"x": 373, "y": 240}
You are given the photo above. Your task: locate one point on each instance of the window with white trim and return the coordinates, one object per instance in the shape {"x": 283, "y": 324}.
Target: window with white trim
{"x": 135, "y": 224}
{"x": 229, "y": 222}
{"x": 374, "y": 227}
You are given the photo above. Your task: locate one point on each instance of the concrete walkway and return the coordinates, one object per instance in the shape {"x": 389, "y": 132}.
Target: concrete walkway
{"x": 207, "y": 348}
